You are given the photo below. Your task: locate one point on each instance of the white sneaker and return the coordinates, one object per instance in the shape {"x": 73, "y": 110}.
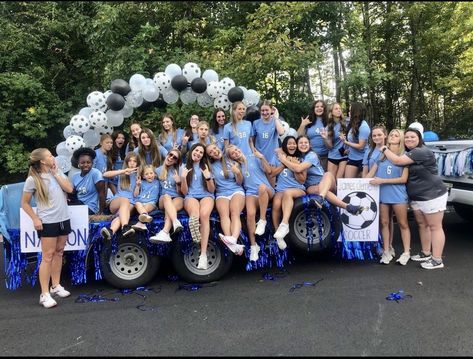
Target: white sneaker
{"x": 139, "y": 227}
{"x": 177, "y": 226}
{"x": 392, "y": 252}
{"x": 231, "y": 243}
{"x": 254, "y": 250}
{"x": 59, "y": 291}
{"x": 47, "y": 301}
{"x": 282, "y": 231}
{"x": 385, "y": 258}
{"x": 145, "y": 217}
{"x": 203, "y": 262}
{"x": 281, "y": 244}
{"x": 260, "y": 227}
{"x": 404, "y": 258}
{"x": 161, "y": 237}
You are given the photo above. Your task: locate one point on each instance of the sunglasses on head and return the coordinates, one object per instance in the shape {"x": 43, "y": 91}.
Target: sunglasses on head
{"x": 172, "y": 156}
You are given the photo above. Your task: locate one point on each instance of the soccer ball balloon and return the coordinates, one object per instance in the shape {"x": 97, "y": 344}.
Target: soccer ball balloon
{"x": 74, "y": 142}
{"x": 365, "y": 218}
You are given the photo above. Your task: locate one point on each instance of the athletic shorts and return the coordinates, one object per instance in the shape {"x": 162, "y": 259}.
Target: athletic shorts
{"x": 231, "y": 196}
{"x": 145, "y": 203}
{"x": 356, "y": 163}
{"x": 337, "y": 161}
{"x": 431, "y": 206}
{"x": 55, "y": 229}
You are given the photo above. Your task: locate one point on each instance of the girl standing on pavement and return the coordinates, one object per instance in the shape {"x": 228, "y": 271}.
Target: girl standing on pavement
{"x": 427, "y": 194}
{"x": 197, "y": 185}
{"x": 49, "y": 187}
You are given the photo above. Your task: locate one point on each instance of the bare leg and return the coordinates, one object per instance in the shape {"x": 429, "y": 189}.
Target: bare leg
{"x": 206, "y": 207}
{"x": 401, "y": 216}
{"x": 352, "y": 171}
{"x": 288, "y": 202}
{"x": 237, "y": 203}
{"x": 424, "y": 231}
{"x": 48, "y": 248}
{"x": 56, "y": 265}
{"x": 385, "y": 225}
{"x": 223, "y": 208}
{"x": 437, "y": 235}
{"x": 276, "y": 209}
{"x": 251, "y": 203}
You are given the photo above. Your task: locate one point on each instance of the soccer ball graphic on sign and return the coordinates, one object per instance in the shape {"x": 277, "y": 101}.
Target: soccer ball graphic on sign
{"x": 365, "y": 218}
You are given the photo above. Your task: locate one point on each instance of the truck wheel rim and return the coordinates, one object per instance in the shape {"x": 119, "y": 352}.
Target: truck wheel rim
{"x": 214, "y": 258}
{"x": 300, "y": 228}
{"x": 130, "y": 262}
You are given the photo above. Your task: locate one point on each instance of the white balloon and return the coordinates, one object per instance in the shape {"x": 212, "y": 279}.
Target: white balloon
{"x": 106, "y": 94}
{"x": 204, "y": 100}
{"x": 418, "y": 126}
{"x": 127, "y": 110}
{"x": 292, "y": 132}
{"x": 170, "y": 96}
{"x": 162, "y": 81}
{"x": 226, "y": 84}
{"x": 286, "y": 130}
{"x": 74, "y": 142}
{"x": 134, "y": 98}
{"x": 214, "y": 89}
{"x": 251, "y": 97}
{"x": 62, "y": 150}
{"x": 86, "y": 111}
{"x": 91, "y": 138}
{"x": 151, "y": 92}
{"x": 104, "y": 129}
{"x": 96, "y": 100}
{"x": 222, "y": 102}
{"x": 191, "y": 71}
{"x": 137, "y": 82}
{"x": 68, "y": 131}
{"x": 79, "y": 124}
{"x": 97, "y": 118}
{"x": 173, "y": 70}
{"x": 115, "y": 118}
{"x": 188, "y": 96}
{"x": 63, "y": 163}
{"x": 210, "y": 75}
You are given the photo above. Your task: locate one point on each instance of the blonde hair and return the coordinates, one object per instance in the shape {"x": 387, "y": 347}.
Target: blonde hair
{"x": 242, "y": 161}
{"x": 234, "y": 121}
{"x": 34, "y": 161}
{"x": 402, "y": 149}
{"x": 146, "y": 167}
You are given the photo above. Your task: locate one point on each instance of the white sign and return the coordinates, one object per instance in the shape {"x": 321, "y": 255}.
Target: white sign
{"x": 363, "y": 227}
{"x": 77, "y": 240}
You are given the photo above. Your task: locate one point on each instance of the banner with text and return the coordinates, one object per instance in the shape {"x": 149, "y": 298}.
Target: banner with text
{"x": 77, "y": 240}
{"x": 363, "y": 227}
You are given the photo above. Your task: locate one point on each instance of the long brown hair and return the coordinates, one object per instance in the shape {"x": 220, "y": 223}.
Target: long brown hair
{"x": 163, "y": 136}
{"x": 203, "y": 162}
{"x": 124, "y": 178}
{"x": 331, "y": 122}
{"x": 153, "y": 149}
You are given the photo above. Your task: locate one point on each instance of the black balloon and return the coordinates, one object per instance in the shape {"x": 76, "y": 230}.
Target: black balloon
{"x": 179, "y": 82}
{"x": 252, "y": 113}
{"x": 160, "y": 103}
{"x": 199, "y": 85}
{"x": 145, "y": 106}
{"x": 115, "y": 102}
{"x": 120, "y": 86}
{"x": 235, "y": 94}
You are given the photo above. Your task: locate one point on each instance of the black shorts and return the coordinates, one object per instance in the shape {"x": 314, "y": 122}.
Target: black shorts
{"x": 55, "y": 229}
{"x": 337, "y": 161}
{"x": 357, "y": 163}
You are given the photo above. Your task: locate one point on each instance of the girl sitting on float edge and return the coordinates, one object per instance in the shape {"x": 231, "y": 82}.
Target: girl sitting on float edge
{"x": 146, "y": 195}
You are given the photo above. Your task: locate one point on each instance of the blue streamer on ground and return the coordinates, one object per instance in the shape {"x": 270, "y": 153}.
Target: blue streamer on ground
{"x": 304, "y": 284}
{"x": 397, "y": 296}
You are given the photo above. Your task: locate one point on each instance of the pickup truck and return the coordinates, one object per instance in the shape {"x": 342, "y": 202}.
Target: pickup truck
{"x": 455, "y": 166}
{"x": 133, "y": 261}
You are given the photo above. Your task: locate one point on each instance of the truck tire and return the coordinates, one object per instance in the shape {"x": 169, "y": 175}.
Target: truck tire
{"x": 297, "y": 237}
{"x": 131, "y": 266}
{"x": 186, "y": 264}
{"x": 464, "y": 211}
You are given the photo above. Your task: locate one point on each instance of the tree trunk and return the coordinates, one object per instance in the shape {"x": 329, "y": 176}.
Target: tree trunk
{"x": 413, "y": 95}
{"x": 337, "y": 73}
{"x": 389, "y": 69}
{"x": 346, "y": 91}
{"x": 320, "y": 81}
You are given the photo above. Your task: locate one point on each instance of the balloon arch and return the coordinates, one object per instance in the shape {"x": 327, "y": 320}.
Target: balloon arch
{"x": 106, "y": 110}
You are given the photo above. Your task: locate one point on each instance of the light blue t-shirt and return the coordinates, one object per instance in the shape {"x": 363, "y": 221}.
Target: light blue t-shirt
{"x": 363, "y": 134}
{"x": 219, "y": 138}
{"x": 286, "y": 180}
{"x": 266, "y": 138}
{"x": 315, "y": 171}
{"x": 196, "y": 189}
{"x": 254, "y": 176}
{"x": 317, "y": 143}
{"x": 168, "y": 186}
{"x": 118, "y": 165}
{"x": 149, "y": 161}
{"x": 391, "y": 193}
{"x": 373, "y": 157}
{"x": 100, "y": 161}
{"x": 334, "y": 152}
{"x": 149, "y": 192}
{"x": 224, "y": 186}
{"x": 169, "y": 142}
{"x": 85, "y": 188}
{"x": 126, "y": 193}
{"x": 241, "y": 139}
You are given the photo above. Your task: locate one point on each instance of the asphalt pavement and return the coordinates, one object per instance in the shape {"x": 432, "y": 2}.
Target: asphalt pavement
{"x": 320, "y": 307}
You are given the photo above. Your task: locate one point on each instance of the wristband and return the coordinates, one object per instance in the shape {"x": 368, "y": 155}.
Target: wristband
{"x": 384, "y": 149}
{"x": 208, "y": 179}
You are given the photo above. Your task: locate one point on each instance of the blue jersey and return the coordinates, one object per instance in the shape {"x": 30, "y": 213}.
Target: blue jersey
{"x": 196, "y": 189}
{"x": 315, "y": 171}
{"x": 219, "y": 138}
{"x": 254, "y": 175}
{"x": 224, "y": 186}
{"x": 169, "y": 141}
{"x": 266, "y": 138}
{"x": 391, "y": 193}
{"x": 118, "y": 165}
{"x": 100, "y": 161}
{"x": 363, "y": 134}
{"x": 373, "y": 157}
{"x": 334, "y": 152}
{"x": 286, "y": 180}
{"x": 316, "y": 141}
{"x": 240, "y": 138}
{"x": 149, "y": 161}
{"x": 149, "y": 192}
{"x": 168, "y": 186}
{"x": 126, "y": 193}
{"x": 85, "y": 188}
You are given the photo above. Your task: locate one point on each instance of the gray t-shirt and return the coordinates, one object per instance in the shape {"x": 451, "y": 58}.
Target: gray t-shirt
{"x": 424, "y": 183}
{"x": 57, "y": 210}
